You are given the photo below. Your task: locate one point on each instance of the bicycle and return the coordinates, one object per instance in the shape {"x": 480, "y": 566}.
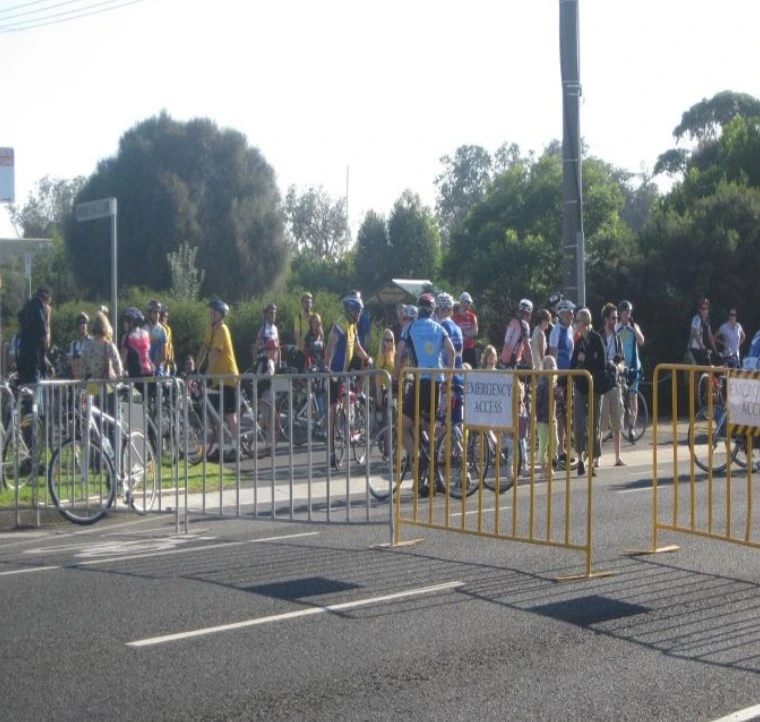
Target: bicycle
{"x": 634, "y": 427}
{"x": 710, "y": 447}
{"x": 24, "y": 445}
{"x": 82, "y": 481}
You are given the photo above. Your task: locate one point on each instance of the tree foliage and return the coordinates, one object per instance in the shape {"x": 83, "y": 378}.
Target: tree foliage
{"x": 413, "y": 239}
{"x": 316, "y": 223}
{"x": 46, "y": 210}
{"x": 187, "y": 279}
{"x": 705, "y": 120}
{"x": 184, "y": 182}
{"x": 375, "y": 263}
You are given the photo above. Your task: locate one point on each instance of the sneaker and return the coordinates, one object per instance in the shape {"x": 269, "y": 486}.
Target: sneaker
{"x": 596, "y": 463}
{"x": 581, "y": 469}
{"x": 631, "y": 436}
{"x": 334, "y": 462}
{"x": 424, "y": 491}
{"x": 593, "y": 471}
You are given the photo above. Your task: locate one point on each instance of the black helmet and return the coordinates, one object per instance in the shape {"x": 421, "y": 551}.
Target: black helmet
{"x": 154, "y": 306}
{"x": 134, "y": 315}
{"x": 554, "y": 299}
{"x": 625, "y": 306}
{"x": 218, "y": 305}
{"x": 270, "y": 307}
{"x": 82, "y": 317}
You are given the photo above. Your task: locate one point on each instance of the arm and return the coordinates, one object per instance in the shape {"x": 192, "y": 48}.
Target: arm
{"x": 398, "y": 362}
{"x": 527, "y": 351}
{"x": 637, "y": 333}
{"x": 450, "y": 353}
{"x": 201, "y": 357}
{"x": 330, "y": 348}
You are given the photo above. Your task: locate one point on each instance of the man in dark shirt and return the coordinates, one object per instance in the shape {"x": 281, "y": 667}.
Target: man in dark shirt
{"x": 34, "y": 322}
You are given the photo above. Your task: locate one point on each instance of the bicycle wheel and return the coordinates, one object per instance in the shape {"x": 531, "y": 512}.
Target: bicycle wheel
{"x": 81, "y": 491}
{"x": 299, "y": 434}
{"x": 29, "y": 446}
{"x": 740, "y": 452}
{"x": 340, "y": 437}
{"x": 708, "y": 443}
{"x": 381, "y": 460}
{"x": 198, "y": 443}
{"x": 703, "y": 390}
{"x": 362, "y": 410}
{"x": 506, "y": 478}
{"x": 138, "y": 467}
{"x": 282, "y": 411}
{"x": 456, "y": 468}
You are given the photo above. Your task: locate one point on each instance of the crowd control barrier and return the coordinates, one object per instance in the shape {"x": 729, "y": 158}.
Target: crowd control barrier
{"x": 706, "y": 468}
{"x": 475, "y": 469}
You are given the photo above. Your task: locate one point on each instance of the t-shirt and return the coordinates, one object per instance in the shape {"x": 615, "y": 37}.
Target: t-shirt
{"x": 157, "y": 341}
{"x": 169, "y": 345}
{"x": 562, "y": 339}
{"x": 731, "y": 336}
{"x": 95, "y": 358}
{"x": 137, "y": 346}
{"x": 538, "y": 342}
{"x": 630, "y": 351}
{"x": 467, "y": 321}
{"x": 343, "y": 351}
{"x": 267, "y": 331}
{"x": 426, "y": 339}
{"x": 302, "y": 328}
{"x": 517, "y": 331}
{"x": 219, "y": 339}
{"x": 701, "y": 327}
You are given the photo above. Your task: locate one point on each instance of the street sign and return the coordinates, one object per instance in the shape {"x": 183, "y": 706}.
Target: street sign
{"x": 744, "y": 401}
{"x": 103, "y": 208}
{"x": 7, "y": 176}
{"x": 488, "y": 400}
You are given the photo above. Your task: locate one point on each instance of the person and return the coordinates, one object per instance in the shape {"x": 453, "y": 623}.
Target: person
{"x": 386, "y": 361}
{"x": 701, "y": 339}
{"x": 266, "y": 368}
{"x": 342, "y": 345}
{"x": 268, "y": 330}
{"x": 364, "y": 335}
{"x": 217, "y": 349}
{"x": 467, "y": 320}
{"x": 589, "y": 354}
{"x": 76, "y": 348}
{"x": 170, "y": 366}
{"x": 552, "y": 306}
{"x": 135, "y": 346}
{"x": 489, "y": 357}
{"x": 158, "y": 340}
{"x": 444, "y": 306}
{"x": 187, "y": 374}
{"x": 517, "y": 337}
{"x": 731, "y": 336}
{"x": 561, "y": 345}
{"x": 34, "y": 337}
{"x": 545, "y": 426}
{"x": 100, "y": 360}
{"x": 314, "y": 343}
{"x": 428, "y": 343}
{"x": 303, "y": 326}
{"x": 612, "y": 391}
{"x": 631, "y": 337}
{"x": 539, "y": 341}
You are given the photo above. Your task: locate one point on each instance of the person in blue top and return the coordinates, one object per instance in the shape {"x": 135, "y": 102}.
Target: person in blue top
{"x": 427, "y": 343}
{"x": 157, "y": 337}
{"x": 444, "y": 310}
{"x": 561, "y": 345}
{"x": 364, "y": 334}
{"x": 631, "y": 338}
{"x": 342, "y": 346}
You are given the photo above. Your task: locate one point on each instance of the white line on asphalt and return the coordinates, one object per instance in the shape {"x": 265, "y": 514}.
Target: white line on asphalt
{"x": 743, "y": 715}
{"x": 633, "y": 491}
{"x": 475, "y": 511}
{"x": 151, "y": 641}
{"x": 184, "y": 550}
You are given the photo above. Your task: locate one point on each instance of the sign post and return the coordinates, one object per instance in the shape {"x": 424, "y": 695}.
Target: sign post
{"x": 103, "y": 208}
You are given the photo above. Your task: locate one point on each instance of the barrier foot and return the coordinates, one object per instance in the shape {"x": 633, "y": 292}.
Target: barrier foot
{"x": 656, "y": 550}
{"x": 400, "y": 544}
{"x": 583, "y": 577}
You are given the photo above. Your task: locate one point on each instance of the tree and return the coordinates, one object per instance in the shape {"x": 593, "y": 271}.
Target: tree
{"x": 184, "y": 182}
{"x": 46, "y": 211}
{"x": 706, "y": 119}
{"x": 186, "y": 278}
{"x": 413, "y": 238}
{"x": 316, "y": 224}
{"x": 374, "y": 261}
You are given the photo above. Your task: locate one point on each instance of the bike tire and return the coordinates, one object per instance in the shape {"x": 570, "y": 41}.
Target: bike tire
{"x": 506, "y": 478}
{"x": 198, "y": 442}
{"x": 703, "y": 387}
{"x": 707, "y": 442}
{"x": 456, "y": 469}
{"x": 81, "y": 495}
{"x": 31, "y": 449}
{"x": 138, "y": 465}
{"x": 740, "y": 452}
{"x": 639, "y": 424}
{"x": 382, "y": 463}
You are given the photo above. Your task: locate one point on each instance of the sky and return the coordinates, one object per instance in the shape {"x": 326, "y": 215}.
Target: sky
{"x": 381, "y": 89}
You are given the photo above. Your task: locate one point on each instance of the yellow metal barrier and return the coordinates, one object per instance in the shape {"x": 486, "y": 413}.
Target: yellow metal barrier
{"x": 462, "y": 473}
{"x": 706, "y": 486}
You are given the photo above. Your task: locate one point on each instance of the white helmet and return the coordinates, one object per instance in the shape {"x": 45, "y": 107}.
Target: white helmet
{"x": 465, "y": 297}
{"x": 525, "y": 306}
{"x": 444, "y": 301}
{"x": 565, "y": 305}
{"x": 410, "y": 311}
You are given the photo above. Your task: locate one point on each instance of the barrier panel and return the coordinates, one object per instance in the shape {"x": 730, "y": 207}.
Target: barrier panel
{"x": 460, "y": 466}
{"x": 706, "y": 454}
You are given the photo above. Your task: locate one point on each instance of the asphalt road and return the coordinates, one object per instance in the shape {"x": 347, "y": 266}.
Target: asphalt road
{"x": 246, "y": 619}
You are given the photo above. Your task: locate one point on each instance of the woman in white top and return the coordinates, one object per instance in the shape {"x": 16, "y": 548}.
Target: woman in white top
{"x": 538, "y": 339}
{"x": 731, "y": 335}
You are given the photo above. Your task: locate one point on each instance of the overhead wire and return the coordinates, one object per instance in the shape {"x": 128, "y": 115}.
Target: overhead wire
{"x": 22, "y": 5}
{"x": 56, "y": 18}
{"x": 37, "y": 11}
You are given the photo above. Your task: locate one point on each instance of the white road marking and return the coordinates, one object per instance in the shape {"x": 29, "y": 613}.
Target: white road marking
{"x": 129, "y": 557}
{"x": 743, "y": 715}
{"x": 151, "y": 641}
{"x": 633, "y": 491}
{"x": 475, "y": 511}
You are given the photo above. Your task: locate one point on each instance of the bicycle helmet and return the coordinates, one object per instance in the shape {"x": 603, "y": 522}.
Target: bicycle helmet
{"x": 444, "y": 301}
{"x": 306, "y": 295}
{"x": 565, "y": 305}
{"x": 154, "y": 306}
{"x": 703, "y": 302}
{"x": 465, "y": 297}
{"x": 82, "y": 317}
{"x": 220, "y": 306}
{"x": 554, "y": 299}
{"x": 426, "y": 304}
{"x": 352, "y": 304}
{"x": 525, "y": 306}
{"x": 271, "y": 344}
{"x": 134, "y": 315}
{"x": 410, "y": 311}
{"x": 625, "y": 307}
{"x": 270, "y": 307}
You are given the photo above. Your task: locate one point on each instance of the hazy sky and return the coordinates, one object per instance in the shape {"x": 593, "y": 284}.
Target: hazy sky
{"x": 384, "y": 88}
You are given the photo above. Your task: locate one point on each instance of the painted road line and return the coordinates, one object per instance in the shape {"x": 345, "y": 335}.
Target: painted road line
{"x": 743, "y": 715}
{"x": 149, "y": 555}
{"x": 311, "y": 611}
{"x": 475, "y": 511}
{"x": 633, "y": 491}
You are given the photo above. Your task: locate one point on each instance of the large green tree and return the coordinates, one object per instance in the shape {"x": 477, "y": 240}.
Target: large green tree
{"x": 375, "y": 263}
{"x": 184, "y": 182}
{"x": 413, "y": 239}
{"x": 316, "y": 223}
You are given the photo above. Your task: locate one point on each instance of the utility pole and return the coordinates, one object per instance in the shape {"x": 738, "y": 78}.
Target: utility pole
{"x": 573, "y": 242}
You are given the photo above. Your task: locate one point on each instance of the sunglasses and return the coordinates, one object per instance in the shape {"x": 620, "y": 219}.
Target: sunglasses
{"x": 613, "y": 318}
{"x": 732, "y": 314}
{"x": 387, "y": 340}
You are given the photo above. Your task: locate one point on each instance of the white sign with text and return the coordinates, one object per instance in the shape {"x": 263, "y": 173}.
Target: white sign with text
{"x": 488, "y": 399}
{"x": 744, "y": 401}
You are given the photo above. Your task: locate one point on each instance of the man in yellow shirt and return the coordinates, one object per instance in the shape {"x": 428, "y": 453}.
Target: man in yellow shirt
{"x": 217, "y": 345}
{"x": 302, "y": 325}
{"x": 170, "y": 367}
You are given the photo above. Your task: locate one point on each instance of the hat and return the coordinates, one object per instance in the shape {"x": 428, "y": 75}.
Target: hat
{"x": 465, "y": 297}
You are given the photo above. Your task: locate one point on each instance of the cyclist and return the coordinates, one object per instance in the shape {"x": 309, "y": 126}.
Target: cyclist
{"x": 701, "y": 339}
{"x": 552, "y": 306}
{"x": 364, "y": 334}
{"x": 268, "y": 330}
{"x": 217, "y": 346}
{"x": 342, "y": 345}
{"x": 561, "y": 346}
{"x": 517, "y": 337}
{"x": 540, "y": 338}
{"x": 302, "y": 328}
{"x": 444, "y": 305}
{"x": 135, "y": 345}
{"x": 631, "y": 337}
{"x": 386, "y": 361}
{"x": 467, "y": 320}
{"x": 427, "y": 342}
{"x": 158, "y": 340}
{"x": 76, "y": 348}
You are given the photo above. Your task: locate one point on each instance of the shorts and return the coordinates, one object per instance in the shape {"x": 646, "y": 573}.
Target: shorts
{"x": 357, "y": 364}
{"x": 428, "y": 389}
{"x": 633, "y": 378}
{"x": 612, "y": 409}
{"x": 229, "y": 400}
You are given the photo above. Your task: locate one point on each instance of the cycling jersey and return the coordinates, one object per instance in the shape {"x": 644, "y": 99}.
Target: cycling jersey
{"x": 455, "y": 334}
{"x": 517, "y": 331}
{"x": 630, "y": 347}
{"x": 157, "y": 336}
{"x": 343, "y": 351}
{"x": 137, "y": 346}
{"x": 425, "y": 338}
{"x": 562, "y": 339}
{"x": 466, "y": 321}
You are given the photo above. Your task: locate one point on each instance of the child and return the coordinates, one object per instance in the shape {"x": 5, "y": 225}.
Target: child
{"x": 544, "y": 420}
{"x": 385, "y": 361}
{"x": 489, "y": 357}
{"x": 523, "y": 421}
